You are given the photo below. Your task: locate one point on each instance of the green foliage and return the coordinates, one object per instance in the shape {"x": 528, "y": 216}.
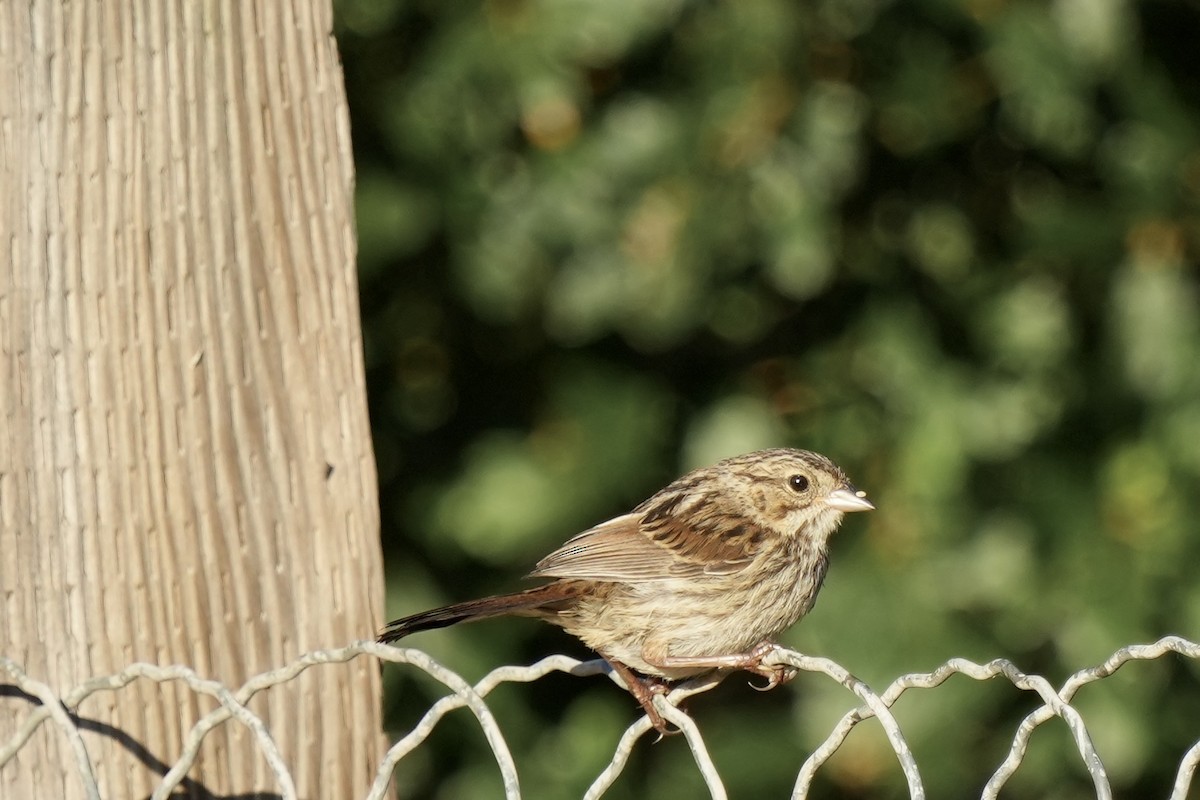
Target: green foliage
{"x": 953, "y": 246}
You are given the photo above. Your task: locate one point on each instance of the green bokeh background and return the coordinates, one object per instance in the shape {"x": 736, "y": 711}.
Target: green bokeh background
{"x": 951, "y": 245}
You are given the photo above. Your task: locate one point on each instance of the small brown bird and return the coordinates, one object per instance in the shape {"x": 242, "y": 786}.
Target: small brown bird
{"x": 701, "y": 576}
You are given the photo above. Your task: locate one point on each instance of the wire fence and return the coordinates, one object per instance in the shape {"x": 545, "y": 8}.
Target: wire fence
{"x": 59, "y": 711}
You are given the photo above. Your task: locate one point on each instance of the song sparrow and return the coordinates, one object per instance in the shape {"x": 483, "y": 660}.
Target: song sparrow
{"x": 701, "y": 576}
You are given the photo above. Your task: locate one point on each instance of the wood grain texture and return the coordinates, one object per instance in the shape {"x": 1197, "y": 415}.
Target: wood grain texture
{"x": 186, "y": 473}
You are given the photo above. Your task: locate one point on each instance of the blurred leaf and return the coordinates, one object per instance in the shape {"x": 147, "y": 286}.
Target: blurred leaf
{"x": 953, "y": 246}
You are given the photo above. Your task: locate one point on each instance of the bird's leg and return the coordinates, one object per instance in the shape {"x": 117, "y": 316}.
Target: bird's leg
{"x": 751, "y": 661}
{"x": 644, "y": 688}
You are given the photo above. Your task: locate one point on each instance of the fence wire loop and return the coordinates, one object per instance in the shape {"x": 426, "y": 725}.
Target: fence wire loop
{"x": 59, "y": 710}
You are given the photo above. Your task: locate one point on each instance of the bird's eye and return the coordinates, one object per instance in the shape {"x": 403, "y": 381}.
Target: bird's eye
{"x": 798, "y": 482}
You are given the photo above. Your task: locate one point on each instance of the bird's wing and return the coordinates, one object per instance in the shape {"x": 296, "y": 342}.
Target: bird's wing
{"x": 633, "y": 549}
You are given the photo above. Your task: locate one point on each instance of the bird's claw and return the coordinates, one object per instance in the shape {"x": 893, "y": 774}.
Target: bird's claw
{"x": 644, "y": 689}
{"x": 656, "y": 718}
{"x": 776, "y": 676}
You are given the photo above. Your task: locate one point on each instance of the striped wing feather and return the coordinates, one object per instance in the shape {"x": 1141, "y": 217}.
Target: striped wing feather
{"x": 640, "y": 546}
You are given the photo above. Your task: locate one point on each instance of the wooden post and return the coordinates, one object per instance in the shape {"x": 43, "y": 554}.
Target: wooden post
{"x": 186, "y": 475}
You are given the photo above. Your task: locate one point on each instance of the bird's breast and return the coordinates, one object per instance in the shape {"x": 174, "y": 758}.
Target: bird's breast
{"x": 718, "y": 615}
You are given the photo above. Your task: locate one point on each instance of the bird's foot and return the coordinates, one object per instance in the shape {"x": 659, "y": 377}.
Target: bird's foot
{"x": 751, "y": 661}
{"x": 644, "y": 689}
{"x": 776, "y": 674}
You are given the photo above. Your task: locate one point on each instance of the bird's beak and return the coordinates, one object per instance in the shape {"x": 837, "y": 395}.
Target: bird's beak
{"x": 848, "y": 499}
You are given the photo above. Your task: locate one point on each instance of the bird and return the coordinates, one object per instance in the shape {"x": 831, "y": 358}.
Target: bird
{"x": 701, "y": 576}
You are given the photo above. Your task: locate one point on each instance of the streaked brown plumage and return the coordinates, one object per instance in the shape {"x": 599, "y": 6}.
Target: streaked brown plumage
{"x": 702, "y": 575}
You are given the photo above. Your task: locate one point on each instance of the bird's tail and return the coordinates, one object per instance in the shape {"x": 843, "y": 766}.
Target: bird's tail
{"x": 539, "y": 601}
